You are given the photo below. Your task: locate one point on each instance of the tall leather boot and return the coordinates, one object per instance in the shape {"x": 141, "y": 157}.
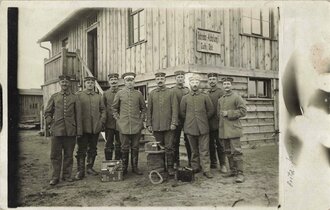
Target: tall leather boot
{"x": 90, "y": 164}
{"x": 124, "y": 159}
{"x": 213, "y": 155}
{"x": 187, "y": 145}
{"x": 108, "y": 153}
{"x": 117, "y": 154}
{"x": 239, "y": 166}
{"x": 135, "y": 160}
{"x": 170, "y": 163}
{"x": 222, "y": 160}
{"x": 80, "y": 168}
{"x": 232, "y": 167}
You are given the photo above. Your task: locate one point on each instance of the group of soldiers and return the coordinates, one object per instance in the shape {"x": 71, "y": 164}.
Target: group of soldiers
{"x": 210, "y": 122}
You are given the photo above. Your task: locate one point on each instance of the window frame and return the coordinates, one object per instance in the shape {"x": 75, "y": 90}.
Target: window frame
{"x": 144, "y": 87}
{"x": 131, "y": 14}
{"x": 267, "y": 85}
{"x": 261, "y": 19}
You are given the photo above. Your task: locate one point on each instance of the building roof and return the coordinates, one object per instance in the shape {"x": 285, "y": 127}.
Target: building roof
{"x": 32, "y": 92}
{"x": 74, "y": 17}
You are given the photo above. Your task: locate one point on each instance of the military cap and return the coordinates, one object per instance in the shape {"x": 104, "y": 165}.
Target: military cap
{"x": 160, "y": 74}
{"x": 194, "y": 77}
{"x": 212, "y": 74}
{"x": 179, "y": 73}
{"x": 113, "y": 75}
{"x": 89, "y": 78}
{"x": 129, "y": 75}
{"x": 227, "y": 79}
{"x": 64, "y": 77}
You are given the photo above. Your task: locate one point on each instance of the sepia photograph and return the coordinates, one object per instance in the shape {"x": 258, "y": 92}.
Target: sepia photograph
{"x": 155, "y": 106}
{"x": 179, "y": 104}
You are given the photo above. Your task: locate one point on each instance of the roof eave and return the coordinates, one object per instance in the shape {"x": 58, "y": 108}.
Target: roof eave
{"x": 69, "y": 20}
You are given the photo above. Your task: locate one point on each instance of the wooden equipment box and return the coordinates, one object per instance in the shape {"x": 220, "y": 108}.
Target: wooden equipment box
{"x": 112, "y": 170}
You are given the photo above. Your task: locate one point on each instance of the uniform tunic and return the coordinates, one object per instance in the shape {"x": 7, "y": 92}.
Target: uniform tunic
{"x": 163, "y": 109}
{"x": 108, "y": 98}
{"x": 230, "y": 126}
{"x": 130, "y": 106}
{"x": 215, "y": 94}
{"x": 63, "y": 113}
{"x": 180, "y": 91}
{"x": 196, "y": 108}
{"x": 93, "y": 111}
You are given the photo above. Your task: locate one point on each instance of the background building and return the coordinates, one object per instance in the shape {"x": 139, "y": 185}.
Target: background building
{"x": 242, "y": 43}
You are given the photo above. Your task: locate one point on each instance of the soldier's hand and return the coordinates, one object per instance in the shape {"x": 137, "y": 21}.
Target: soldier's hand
{"x": 173, "y": 127}
{"x": 150, "y": 129}
{"x": 224, "y": 113}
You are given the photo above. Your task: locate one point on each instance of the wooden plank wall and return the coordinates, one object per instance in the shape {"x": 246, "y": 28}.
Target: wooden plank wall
{"x": 171, "y": 40}
{"x": 26, "y": 109}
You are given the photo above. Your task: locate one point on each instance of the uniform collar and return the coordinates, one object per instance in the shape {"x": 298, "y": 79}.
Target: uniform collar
{"x": 129, "y": 90}
{"x": 179, "y": 86}
{"x": 65, "y": 92}
{"x": 195, "y": 93}
{"x": 89, "y": 92}
{"x": 228, "y": 93}
{"x": 161, "y": 89}
{"x": 114, "y": 89}
{"x": 213, "y": 89}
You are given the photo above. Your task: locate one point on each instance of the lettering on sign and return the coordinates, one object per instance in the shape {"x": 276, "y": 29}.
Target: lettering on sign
{"x": 208, "y": 41}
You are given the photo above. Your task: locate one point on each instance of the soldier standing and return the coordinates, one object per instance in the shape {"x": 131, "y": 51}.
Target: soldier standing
{"x": 63, "y": 113}
{"x": 93, "y": 120}
{"x": 180, "y": 90}
{"x": 230, "y": 108}
{"x": 162, "y": 117}
{"x": 197, "y": 108}
{"x": 129, "y": 110}
{"x": 112, "y": 133}
{"x": 215, "y": 93}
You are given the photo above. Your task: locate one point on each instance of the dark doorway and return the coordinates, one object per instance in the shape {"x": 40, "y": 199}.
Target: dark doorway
{"x": 92, "y": 51}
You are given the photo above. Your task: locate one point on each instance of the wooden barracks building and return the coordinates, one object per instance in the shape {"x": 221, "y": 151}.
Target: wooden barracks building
{"x": 242, "y": 43}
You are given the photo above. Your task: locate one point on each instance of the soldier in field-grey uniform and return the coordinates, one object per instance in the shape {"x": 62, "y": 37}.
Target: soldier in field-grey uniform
{"x": 162, "y": 117}
{"x": 111, "y": 129}
{"x": 180, "y": 90}
{"x": 63, "y": 114}
{"x": 215, "y": 147}
{"x": 231, "y": 107}
{"x": 129, "y": 110}
{"x": 197, "y": 108}
{"x": 93, "y": 120}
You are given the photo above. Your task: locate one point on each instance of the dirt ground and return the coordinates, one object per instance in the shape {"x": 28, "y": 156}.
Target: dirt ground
{"x": 259, "y": 189}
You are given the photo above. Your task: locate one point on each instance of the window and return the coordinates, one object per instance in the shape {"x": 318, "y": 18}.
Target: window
{"x": 259, "y": 88}
{"x": 143, "y": 90}
{"x": 136, "y": 26}
{"x": 256, "y": 22}
{"x": 65, "y": 43}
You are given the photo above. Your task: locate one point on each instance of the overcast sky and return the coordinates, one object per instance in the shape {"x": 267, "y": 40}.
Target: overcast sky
{"x": 33, "y": 24}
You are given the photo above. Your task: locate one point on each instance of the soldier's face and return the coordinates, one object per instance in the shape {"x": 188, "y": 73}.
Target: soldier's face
{"x": 160, "y": 81}
{"x": 129, "y": 83}
{"x": 113, "y": 82}
{"x": 179, "y": 79}
{"x": 212, "y": 81}
{"x": 89, "y": 84}
{"x": 64, "y": 84}
{"x": 194, "y": 85}
{"x": 227, "y": 86}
